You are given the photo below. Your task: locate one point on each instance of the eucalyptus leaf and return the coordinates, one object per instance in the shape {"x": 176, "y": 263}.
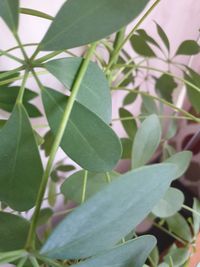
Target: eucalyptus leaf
{"x": 79, "y": 23}
{"x": 141, "y": 46}
{"x": 13, "y": 232}
{"x": 131, "y": 254}
{"x": 129, "y": 125}
{"x": 9, "y": 11}
{"x": 177, "y": 256}
{"x": 110, "y": 214}
{"x": 188, "y": 47}
{"x": 72, "y": 188}
{"x": 87, "y": 139}
{"x": 22, "y": 168}
{"x": 146, "y": 141}
{"x": 94, "y": 92}
{"x": 170, "y": 204}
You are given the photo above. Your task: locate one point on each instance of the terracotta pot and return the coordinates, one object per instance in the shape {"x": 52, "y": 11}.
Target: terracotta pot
{"x": 195, "y": 258}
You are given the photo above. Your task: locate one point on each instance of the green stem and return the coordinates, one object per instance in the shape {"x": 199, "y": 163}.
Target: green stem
{"x": 131, "y": 33}
{"x": 18, "y": 47}
{"x": 22, "y": 88}
{"x": 57, "y": 141}
{"x": 159, "y": 116}
{"x": 34, "y": 261}
{"x": 21, "y": 47}
{"x": 36, "y": 13}
{"x": 190, "y": 209}
{"x": 10, "y": 72}
{"x": 21, "y": 262}
{"x": 84, "y": 186}
{"x": 108, "y": 177}
{"x": 4, "y": 53}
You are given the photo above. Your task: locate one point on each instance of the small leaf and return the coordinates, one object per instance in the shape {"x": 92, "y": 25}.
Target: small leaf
{"x": 179, "y": 226}
{"x": 141, "y": 47}
{"x": 9, "y": 11}
{"x": 21, "y": 175}
{"x": 188, "y": 47}
{"x": 126, "y": 148}
{"x": 131, "y": 254}
{"x": 170, "y": 204}
{"x": 44, "y": 216}
{"x": 147, "y": 37}
{"x": 94, "y": 92}
{"x": 72, "y": 188}
{"x": 87, "y": 139}
{"x": 165, "y": 85}
{"x": 146, "y": 141}
{"x": 48, "y": 141}
{"x": 77, "y": 22}
{"x": 65, "y": 168}
{"x": 110, "y": 214}
{"x": 129, "y": 125}
{"x": 182, "y": 161}
{"x": 13, "y": 232}
{"x": 163, "y": 36}
{"x": 130, "y": 98}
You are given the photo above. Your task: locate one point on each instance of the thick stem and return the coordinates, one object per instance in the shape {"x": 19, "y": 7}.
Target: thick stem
{"x": 75, "y": 88}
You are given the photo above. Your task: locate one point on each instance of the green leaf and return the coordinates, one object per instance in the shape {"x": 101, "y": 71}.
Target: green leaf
{"x": 44, "y": 216}
{"x": 188, "y": 47}
{"x": 165, "y": 85}
{"x": 182, "y": 161}
{"x": 13, "y": 232}
{"x": 129, "y": 125}
{"x": 194, "y": 95}
{"x": 110, "y": 214}
{"x": 141, "y": 47}
{"x": 9, "y": 11}
{"x": 177, "y": 256}
{"x": 94, "y": 92}
{"x": 72, "y": 188}
{"x": 170, "y": 204}
{"x": 11, "y": 76}
{"x": 65, "y": 168}
{"x": 148, "y": 105}
{"x": 147, "y": 37}
{"x": 87, "y": 139}
{"x": 131, "y": 254}
{"x": 129, "y": 98}
{"x": 163, "y": 36}
{"x": 196, "y": 217}
{"x": 146, "y": 141}
{"x": 179, "y": 226}
{"x": 21, "y": 175}
{"x": 79, "y": 23}
{"x": 52, "y": 193}
{"x": 155, "y": 257}
{"x": 48, "y": 141}
{"x": 36, "y": 13}
{"x": 126, "y": 147}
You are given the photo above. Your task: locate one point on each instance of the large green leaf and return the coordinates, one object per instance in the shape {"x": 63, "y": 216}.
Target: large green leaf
{"x": 72, "y": 188}
{"x": 94, "y": 92}
{"x": 13, "y": 232}
{"x": 87, "y": 139}
{"x": 81, "y": 22}
{"x": 131, "y": 254}
{"x": 111, "y": 214}
{"x": 146, "y": 141}
{"x": 21, "y": 167}
{"x": 9, "y": 11}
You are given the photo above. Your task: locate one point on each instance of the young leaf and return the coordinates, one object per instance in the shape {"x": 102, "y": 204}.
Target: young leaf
{"x": 146, "y": 141}
{"x": 170, "y": 204}
{"x": 122, "y": 206}
{"x": 182, "y": 161}
{"x": 13, "y": 232}
{"x": 9, "y": 11}
{"x": 21, "y": 175}
{"x": 77, "y": 22}
{"x": 163, "y": 36}
{"x": 132, "y": 253}
{"x": 72, "y": 188}
{"x": 94, "y": 92}
{"x": 165, "y": 85}
{"x": 87, "y": 140}
{"x": 141, "y": 46}
{"x": 129, "y": 125}
{"x": 188, "y": 48}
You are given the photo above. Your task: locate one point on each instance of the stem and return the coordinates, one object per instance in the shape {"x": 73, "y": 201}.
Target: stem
{"x": 190, "y": 209}
{"x": 84, "y": 186}
{"x": 131, "y": 33}
{"x": 108, "y": 177}
{"x": 10, "y": 72}
{"x": 34, "y": 261}
{"x": 4, "y": 53}
{"x": 21, "y": 47}
{"x": 22, "y": 88}
{"x": 75, "y": 88}
{"x": 159, "y": 116}
{"x": 22, "y": 262}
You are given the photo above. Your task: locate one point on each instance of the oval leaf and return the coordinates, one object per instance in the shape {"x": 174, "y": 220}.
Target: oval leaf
{"x": 129, "y": 125}
{"x": 146, "y": 141}
{"x": 109, "y": 215}
{"x": 21, "y": 175}
{"x": 94, "y": 92}
{"x": 170, "y": 204}
{"x": 131, "y": 254}
{"x": 80, "y": 22}
{"x": 13, "y": 232}
{"x": 188, "y": 47}
{"x": 9, "y": 11}
{"x": 87, "y": 139}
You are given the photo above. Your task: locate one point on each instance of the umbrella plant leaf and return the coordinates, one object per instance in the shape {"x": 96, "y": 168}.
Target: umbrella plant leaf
{"x": 94, "y": 92}
{"x": 129, "y": 125}
{"x": 89, "y": 141}
{"x": 110, "y": 214}
{"x": 9, "y": 11}
{"x": 188, "y": 48}
{"x": 80, "y": 22}
{"x": 21, "y": 175}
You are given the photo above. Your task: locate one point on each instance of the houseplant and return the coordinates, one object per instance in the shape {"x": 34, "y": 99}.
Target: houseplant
{"x": 97, "y": 233}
